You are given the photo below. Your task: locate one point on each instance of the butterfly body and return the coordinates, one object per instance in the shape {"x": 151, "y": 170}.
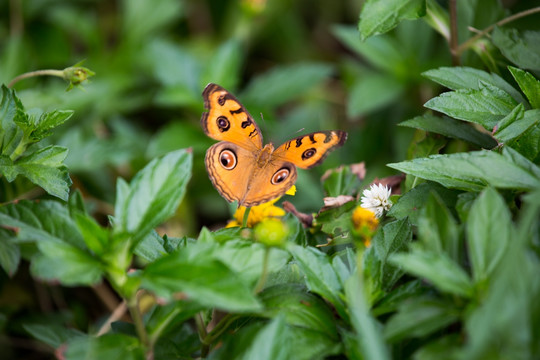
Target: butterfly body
{"x": 240, "y": 168}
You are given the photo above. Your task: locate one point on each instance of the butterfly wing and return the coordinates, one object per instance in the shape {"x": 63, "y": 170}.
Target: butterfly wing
{"x": 309, "y": 150}
{"x": 234, "y": 172}
{"x": 227, "y": 120}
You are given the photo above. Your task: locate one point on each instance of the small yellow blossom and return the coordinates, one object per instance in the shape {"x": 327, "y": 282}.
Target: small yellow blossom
{"x": 259, "y": 212}
{"x": 365, "y": 223}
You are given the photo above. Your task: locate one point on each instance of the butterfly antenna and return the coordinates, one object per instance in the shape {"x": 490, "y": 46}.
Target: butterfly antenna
{"x": 300, "y": 130}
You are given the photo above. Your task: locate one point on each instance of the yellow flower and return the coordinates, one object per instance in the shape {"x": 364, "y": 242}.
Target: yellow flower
{"x": 259, "y": 212}
{"x": 365, "y": 223}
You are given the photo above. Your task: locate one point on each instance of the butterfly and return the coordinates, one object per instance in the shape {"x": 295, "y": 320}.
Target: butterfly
{"x": 240, "y": 168}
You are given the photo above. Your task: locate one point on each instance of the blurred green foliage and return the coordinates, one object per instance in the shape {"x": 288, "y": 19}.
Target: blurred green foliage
{"x": 98, "y": 191}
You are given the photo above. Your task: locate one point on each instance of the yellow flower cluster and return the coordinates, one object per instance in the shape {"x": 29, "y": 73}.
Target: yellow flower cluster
{"x": 365, "y": 223}
{"x": 259, "y": 212}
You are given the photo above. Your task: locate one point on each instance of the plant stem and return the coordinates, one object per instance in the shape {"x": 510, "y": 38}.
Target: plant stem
{"x": 453, "y": 33}
{"x": 246, "y": 216}
{"x": 154, "y": 335}
{"x": 467, "y": 44}
{"x": 201, "y": 329}
{"x": 264, "y": 274}
{"x": 133, "y": 306}
{"x": 219, "y": 329}
{"x": 51, "y": 72}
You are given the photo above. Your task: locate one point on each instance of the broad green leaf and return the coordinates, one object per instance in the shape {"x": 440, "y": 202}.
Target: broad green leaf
{"x": 489, "y": 231}
{"x": 178, "y": 70}
{"x": 437, "y": 268}
{"x": 33, "y": 222}
{"x": 437, "y": 229}
{"x": 108, "y": 346}
{"x": 471, "y": 171}
{"x": 63, "y": 262}
{"x": 271, "y": 342}
{"x": 225, "y": 65}
{"x": 528, "y": 144}
{"x": 528, "y": 84}
{"x": 452, "y": 128}
{"x": 153, "y": 195}
{"x": 284, "y": 83}
{"x": 337, "y": 221}
{"x": 420, "y": 317}
{"x": 52, "y": 334}
{"x": 413, "y": 201}
{"x": 95, "y": 237}
{"x": 394, "y": 237}
{"x": 344, "y": 263}
{"x": 321, "y": 277}
{"x": 11, "y": 112}
{"x": 299, "y": 307}
{"x": 178, "y": 135}
{"x": 368, "y": 337}
{"x": 381, "y": 16}
{"x": 391, "y": 302}
{"x": 517, "y": 124}
{"x": 142, "y": 19}
{"x": 373, "y": 92}
{"x": 520, "y": 48}
{"x": 382, "y": 52}
{"x": 485, "y": 106}
{"x": 203, "y": 279}
{"x": 442, "y": 348}
{"x": 462, "y": 77}
{"x": 10, "y": 254}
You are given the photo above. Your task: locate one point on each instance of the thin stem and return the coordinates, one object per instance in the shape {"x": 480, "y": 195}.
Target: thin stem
{"x": 201, "y": 329}
{"x": 154, "y": 336}
{"x": 133, "y": 306}
{"x": 219, "y": 329}
{"x": 30, "y": 74}
{"x": 264, "y": 274}
{"x": 467, "y": 44}
{"x": 454, "y": 33}
{"x": 115, "y": 316}
{"x": 246, "y": 216}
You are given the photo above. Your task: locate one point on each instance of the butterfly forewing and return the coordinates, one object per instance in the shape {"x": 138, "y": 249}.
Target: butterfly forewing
{"x": 226, "y": 119}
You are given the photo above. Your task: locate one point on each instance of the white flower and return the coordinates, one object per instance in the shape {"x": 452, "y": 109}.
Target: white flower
{"x": 377, "y": 199}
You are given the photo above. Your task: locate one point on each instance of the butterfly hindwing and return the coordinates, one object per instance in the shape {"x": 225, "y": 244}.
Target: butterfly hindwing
{"x": 227, "y": 120}
{"x": 237, "y": 177}
{"x": 309, "y": 150}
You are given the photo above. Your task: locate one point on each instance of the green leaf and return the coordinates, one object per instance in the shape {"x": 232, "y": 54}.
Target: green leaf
{"x": 520, "y": 48}
{"x": 271, "y": 342}
{"x": 32, "y": 221}
{"x": 300, "y": 308}
{"x": 337, "y": 221}
{"x": 528, "y": 84}
{"x": 420, "y": 317}
{"x": 516, "y": 124}
{"x": 63, "y": 262}
{"x": 485, "y": 106}
{"x": 153, "y": 195}
{"x": 437, "y": 229}
{"x": 394, "y": 237}
{"x": 224, "y": 69}
{"x": 412, "y": 202}
{"x": 379, "y": 17}
{"x": 369, "y": 341}
{"x": 95, "y": 237}
{"x": 11, "y": 112}
{"x": 10, "y": 254}
{"x": 140, "y": 20}
{"x": 462, "y": 77}
{"x": 284, "y": 83}
{"x": 382, "y": 52}
{"x": 372, "y": 92}
{"x": 36, "y": 128}
{"x": 344, "y": 180}
{"x": 44, "y": 168}
{"x": 451, "y": 128}
{"x": 489, "y": 231}
{"x": 203, "y": 279}
{"x": 321, "y": 277}
{"x": 108, "y": 346}
{"x": 52, "y": 334}
{"x": 437, "y": 268}
{"x": 471, "y": 171}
